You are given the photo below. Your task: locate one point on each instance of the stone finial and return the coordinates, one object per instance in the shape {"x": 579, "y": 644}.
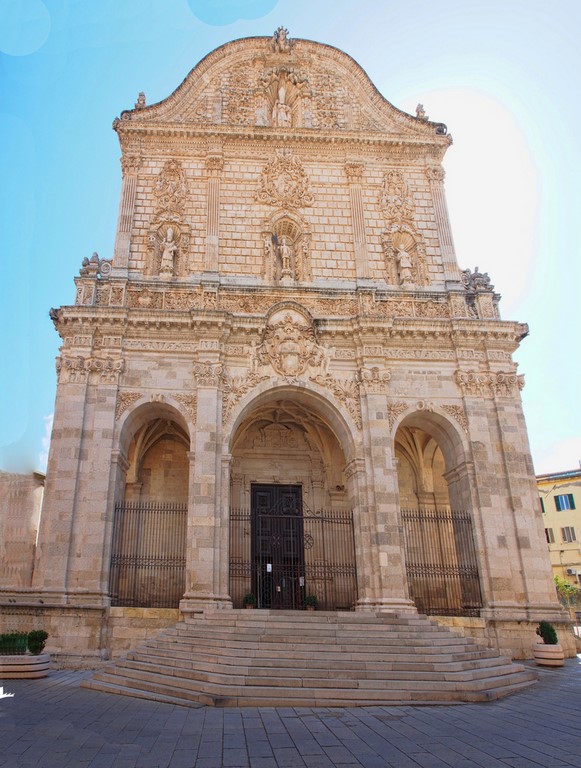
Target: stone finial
{"x": 421, "y": 112}
{"x": 140, "y": 103}
{"x": 476, "y": 281}
{"x": 95, "y": 266}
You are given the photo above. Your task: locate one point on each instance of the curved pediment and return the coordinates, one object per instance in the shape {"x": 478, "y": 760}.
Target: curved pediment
{"x": 283, "y": 85}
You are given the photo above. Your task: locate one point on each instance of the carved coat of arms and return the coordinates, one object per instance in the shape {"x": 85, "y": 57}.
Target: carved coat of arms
{"x": 289, "y": 345}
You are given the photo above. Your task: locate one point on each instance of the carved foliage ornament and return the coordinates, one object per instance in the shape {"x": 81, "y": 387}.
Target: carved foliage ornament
{"x": 171, "y": 187}
{"x": 395, "y": 199}
{"x": 284, "y": 183}
{"x": 124, "y": 401}
{"x": 78, "y": 368}
{"x": 235, "y": 387}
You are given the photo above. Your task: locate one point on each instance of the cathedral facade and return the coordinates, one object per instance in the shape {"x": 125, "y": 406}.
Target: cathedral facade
{"x": 282, "y": 388}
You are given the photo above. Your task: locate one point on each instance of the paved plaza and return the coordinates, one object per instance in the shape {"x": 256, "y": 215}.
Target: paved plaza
{"x": 54, "y": 723}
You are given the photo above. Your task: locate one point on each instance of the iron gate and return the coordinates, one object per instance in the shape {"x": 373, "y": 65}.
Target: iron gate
{"x": 441, "y": 561}
{"x": 148, "y": 557}
{"x": 282, "y": 551}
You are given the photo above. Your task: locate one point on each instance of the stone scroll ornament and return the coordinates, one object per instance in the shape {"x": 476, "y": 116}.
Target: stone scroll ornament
{"x": 284, "y": 183}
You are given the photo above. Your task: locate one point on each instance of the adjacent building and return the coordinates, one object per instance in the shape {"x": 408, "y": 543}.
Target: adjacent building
{"x": 560, "y": 496}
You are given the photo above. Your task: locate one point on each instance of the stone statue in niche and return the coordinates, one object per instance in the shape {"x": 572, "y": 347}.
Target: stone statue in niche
{"x": 281, "y": 111}
{"x": 168, "y": 249}
{"x": 404, "y": 265}
{"x": 285, "y": 252}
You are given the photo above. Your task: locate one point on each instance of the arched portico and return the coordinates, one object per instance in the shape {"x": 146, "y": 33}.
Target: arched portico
{"x": 442, "y": 567}
{"x": 291, "y": 501}
{"x": 149, "y": 521}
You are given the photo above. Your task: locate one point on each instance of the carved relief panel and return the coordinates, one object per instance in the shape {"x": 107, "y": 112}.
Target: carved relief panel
{"x": 169, "y": 235}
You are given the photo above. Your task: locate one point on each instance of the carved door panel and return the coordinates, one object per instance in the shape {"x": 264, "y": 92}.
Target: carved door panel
{"x": 278, "y": 545}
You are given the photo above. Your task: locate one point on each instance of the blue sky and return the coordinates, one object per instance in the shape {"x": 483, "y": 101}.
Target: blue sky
{"x": 502, "y": 74}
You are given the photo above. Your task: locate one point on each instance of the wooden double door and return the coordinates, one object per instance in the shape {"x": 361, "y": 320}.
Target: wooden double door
{"x": 278, "y": 546}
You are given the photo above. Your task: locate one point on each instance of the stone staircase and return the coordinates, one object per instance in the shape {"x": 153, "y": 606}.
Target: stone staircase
{"x": 265, "y": 658}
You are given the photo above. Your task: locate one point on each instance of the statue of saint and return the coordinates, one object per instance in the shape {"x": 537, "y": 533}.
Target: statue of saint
{"x": 404, "y": 264}
{"x": 168, "y": 251}
{"x": 281, "y": 112}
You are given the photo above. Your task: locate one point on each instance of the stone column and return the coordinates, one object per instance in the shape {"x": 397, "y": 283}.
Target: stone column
{"x": 130, "y": 165}
{"x": 384, "y": 583}
{"x": 436, "y": 177}
{"x": 203, "y": 584}
{"x": 354, "y": 172}
{"x": 214, "y": 165}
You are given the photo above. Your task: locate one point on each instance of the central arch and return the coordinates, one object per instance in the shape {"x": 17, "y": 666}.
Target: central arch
{"x": 291, "y": 520}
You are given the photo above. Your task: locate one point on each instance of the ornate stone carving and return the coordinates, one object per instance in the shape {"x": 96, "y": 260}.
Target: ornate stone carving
{"x": 95, "y": 267}
{"x": 131, "y": 163}
{"x": 183, "y": 300}
{"x": 78, "y": 368}
{"x": 436, "y": 173}
{"x": 373, "y": 381}
{"x": 208, "y": 374}
{"x": 488, "y": 383}
{"x": 145, "y": 298}
{"x": 141, "y": 102}
{"x": 394, "y": 410}
{"x": 346, "y": 391}
{"x": 289, "y": 344}
{"x": 215, "y": 162}
{"x": 284, "y": 183}
{"x": 457, "y": 413}
{"x": 354, "y": 172}
{"x": 280, "y": 41}
{"x": 171, "y": 187}
{"x": 405, "y": 256}
{"x": 190, "y": 404}
{"x": 395, "y": 199}
{"x": 124, "y": 401}
{"x": 234, "y": 389}
{"x": 476, "y": 281}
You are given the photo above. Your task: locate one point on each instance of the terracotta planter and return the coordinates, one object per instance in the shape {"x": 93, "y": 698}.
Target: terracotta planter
{"x": 25, "y": 666}
{"x": 548, "y": 655}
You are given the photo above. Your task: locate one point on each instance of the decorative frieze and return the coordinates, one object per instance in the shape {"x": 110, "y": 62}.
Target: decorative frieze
{"x": 78, "y": 368}
{"x": 208, "y": 374}
{"x": 373, "y": 380}
{"x": 488, "y": 383}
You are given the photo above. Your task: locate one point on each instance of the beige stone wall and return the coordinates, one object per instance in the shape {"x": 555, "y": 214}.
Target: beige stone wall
{"x": 20, "y": 509}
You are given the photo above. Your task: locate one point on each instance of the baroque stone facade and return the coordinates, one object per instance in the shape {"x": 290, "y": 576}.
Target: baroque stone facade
{"x": 284, "y": 309}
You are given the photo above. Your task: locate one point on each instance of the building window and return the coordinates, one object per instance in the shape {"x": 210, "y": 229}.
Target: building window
{"x": 550, "y": 535}
{"x": 564, "y": 501}
{"x": 542, "y": 505}
{"x": 568, "y": 534}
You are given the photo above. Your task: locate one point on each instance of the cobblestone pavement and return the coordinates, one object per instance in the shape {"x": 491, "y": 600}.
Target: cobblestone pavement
{"x": 53, "y": 723}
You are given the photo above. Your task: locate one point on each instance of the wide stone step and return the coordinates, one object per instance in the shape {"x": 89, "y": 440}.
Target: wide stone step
{"x": 263, "y": 658}
{"x": 245, "y": 674}
{"x": 352, "y": 660}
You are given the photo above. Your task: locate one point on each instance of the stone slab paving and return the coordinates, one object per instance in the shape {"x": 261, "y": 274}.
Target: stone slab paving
{"x": 53, "y": 723}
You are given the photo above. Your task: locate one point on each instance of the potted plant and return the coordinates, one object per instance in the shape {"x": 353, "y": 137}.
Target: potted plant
{"x": 36, "y": 641}
{"x": 549, "y": 652}
{"x": 310, "y": 602}
{"x": 21, "y": 654}
{"x": 250, "y": 600}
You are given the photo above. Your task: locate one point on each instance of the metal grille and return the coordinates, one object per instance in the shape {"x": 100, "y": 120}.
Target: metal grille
{"x": 441, "y": 563}
{"x": 281, "y": 556}
{"x": 148, "y": 559}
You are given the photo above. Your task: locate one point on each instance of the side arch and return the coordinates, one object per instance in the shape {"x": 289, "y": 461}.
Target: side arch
{"x": 442, "y": 562}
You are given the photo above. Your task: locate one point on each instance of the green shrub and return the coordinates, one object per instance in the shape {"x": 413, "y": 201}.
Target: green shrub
{"x": 36, "y": 641}
{"x": 547, "y": 631}
{"x": 13, "y": 643}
